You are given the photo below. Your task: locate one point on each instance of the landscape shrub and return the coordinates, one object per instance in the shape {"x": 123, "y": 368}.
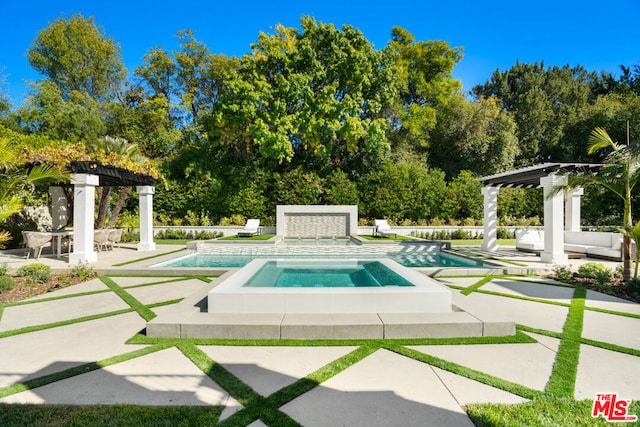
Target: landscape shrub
{"x": 188, "y": 235}
{"x": 83, "y": 271}
{"x": 562, "y": 272}
{"x": 37, "y": 272}
{"x": 597, "y": 271}
{"x": 505, "y": 233}
{"x": 6, "y": 283}
{"x": 633, "y": 285}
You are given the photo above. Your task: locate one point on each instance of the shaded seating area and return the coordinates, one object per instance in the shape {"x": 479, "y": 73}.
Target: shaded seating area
{"x": 35, "y": 240}
{"x": 383, "y": 229}
{"x": 251, "y": 228}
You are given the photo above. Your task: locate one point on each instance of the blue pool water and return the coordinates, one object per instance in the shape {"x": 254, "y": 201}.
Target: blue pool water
{"x": 278, "y": 274}
{"x": 436, "y": 259}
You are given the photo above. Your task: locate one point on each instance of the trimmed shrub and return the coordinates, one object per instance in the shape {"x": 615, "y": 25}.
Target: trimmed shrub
{"x": 6, "y": 283}
{"x": 562, "y": 272}
{"x": 36, "y": 272}
{"x": 597, "y": 271}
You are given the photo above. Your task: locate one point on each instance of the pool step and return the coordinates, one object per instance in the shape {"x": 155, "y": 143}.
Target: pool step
{"x": 325, "y": 326}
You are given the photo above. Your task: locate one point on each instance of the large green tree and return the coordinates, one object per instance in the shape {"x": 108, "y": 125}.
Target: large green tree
{"x": 315, "y": 94}
{"x": 424, "y": 83}
{"x": 476, "y": 135}
{"x": 544, "y": 102}
{"x": 78, "y": 57}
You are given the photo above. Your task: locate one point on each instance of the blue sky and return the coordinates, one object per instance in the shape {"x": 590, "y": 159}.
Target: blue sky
{"x": 494, "y": 35}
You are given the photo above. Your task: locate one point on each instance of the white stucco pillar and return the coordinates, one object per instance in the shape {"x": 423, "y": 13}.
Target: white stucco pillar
{"x": 84, "y": 191}
{"x": 490, "y": 240}
{"x": 553, "y": 221}
{"x": 59, "y": 214}
{"x": 145, "y": 193}
{"x": 572, "y": 214}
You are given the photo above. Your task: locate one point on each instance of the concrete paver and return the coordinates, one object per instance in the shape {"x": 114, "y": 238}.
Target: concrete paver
{"x": 533, "y": 314}
{"x": 165, "y": 292}
{"x": 526, "y": 364}
{"x": 89, "y": 286}
{"x": 530, "y": 290}
{"x": 45, "y": 312}
{"x": 609, "y": 302}
{"x": 605, "y": 371}
{"x": 43, "y": 352}
{"x": 268, "y": 369}
{"x": 611, "y": 329}
{"x": 467, "y": 391}
{"x": 405, "y": 392}
{"x": 162, "y": 378}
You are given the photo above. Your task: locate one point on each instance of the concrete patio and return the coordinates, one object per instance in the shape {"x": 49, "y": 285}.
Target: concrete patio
{"x": 53, "y": 335}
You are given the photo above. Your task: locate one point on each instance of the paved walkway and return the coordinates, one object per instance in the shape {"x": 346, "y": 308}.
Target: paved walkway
{"x": 49, "y": 348}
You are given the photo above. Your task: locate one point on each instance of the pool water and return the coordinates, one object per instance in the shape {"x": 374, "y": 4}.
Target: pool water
{"x": 437, "y": 259}
{"x": 339, "y": 274}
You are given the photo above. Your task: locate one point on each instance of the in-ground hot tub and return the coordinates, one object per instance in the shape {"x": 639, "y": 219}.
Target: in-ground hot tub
{"x": 328, "y": 286}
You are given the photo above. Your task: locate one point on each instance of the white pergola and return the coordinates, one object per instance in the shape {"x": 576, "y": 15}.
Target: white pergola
{"x": 556, "y": 219}
{"x": 86, "y": 176}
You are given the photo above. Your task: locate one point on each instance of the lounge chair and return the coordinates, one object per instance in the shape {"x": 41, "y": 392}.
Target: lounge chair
{"x": 35, "y": 240}
{"x": 383, "y": 229}
{"x": 251, "y": 228}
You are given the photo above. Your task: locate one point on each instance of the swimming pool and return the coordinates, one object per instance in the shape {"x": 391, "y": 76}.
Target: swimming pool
{"x": 234, "y": 258}
{"x": 333, "y": 274}
{"x": 407, "y": 291}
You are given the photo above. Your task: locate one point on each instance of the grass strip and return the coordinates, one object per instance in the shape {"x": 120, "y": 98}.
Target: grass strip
{"x": 160, "y": 282}
{"x": 537, "y": 282}
{"x": 303, "y": 385}
{"x": 469, "y": 289}
{"x": 59, "y": 297}
{"x": 140, "y": 308}
{"x": 514, "y": 388}
{"x": 520, "y": 297}
{"x": 77, "y": 370}
{"x": 612, "y": 347}
{"x": 518, "y": 338}
{"x": 541, "y": 412}
{"x": 615, "y": 313}
{"x": 565, "y": 369}
{"x": 149, "y": 257}
{"x": 108, "y": 415}
{"x": 254, "y": 404}
{"x": 225, "y": 379}
{"x": 1, "y": 311}
{"x": 36, "y": 328}
{"x": 545, "y": 332}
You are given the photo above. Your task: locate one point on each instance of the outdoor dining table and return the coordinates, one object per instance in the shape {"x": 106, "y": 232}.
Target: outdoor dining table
{"x": 57, "y": 237}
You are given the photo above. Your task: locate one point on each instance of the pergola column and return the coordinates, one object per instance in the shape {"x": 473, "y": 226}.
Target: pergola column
{"x": 146, "y": 218}
{"x": 553, "y": 221}
{"x": 490, "y": 224}
{"x": 59, "y": 214}
{"x": 84, "y": 190}
{"x": 572, "y": 215}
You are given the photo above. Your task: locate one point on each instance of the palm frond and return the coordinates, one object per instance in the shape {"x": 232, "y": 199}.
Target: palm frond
{"x": 600, "y": 139}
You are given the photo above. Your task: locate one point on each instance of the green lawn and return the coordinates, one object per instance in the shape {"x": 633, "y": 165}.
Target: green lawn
{"x": 256, "y": 237}
{"x": 372, "y": 237}
{"x": 478, "y": 242}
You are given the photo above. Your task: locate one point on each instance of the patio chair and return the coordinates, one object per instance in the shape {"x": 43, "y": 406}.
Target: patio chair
{"x": 35, "y": 240}
{"x": 383, "y": 229}
{"x": 251, "y": 228}
{"x": 115, "y": 235}
{"x": 101, "y": 239}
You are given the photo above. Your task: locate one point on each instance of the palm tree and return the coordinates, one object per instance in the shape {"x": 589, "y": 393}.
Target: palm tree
{"x": 15, "y": 177}
{"x": 121, "y": 148}
{"x": 620, "y": 175}
{"x": 634, "y": 234}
